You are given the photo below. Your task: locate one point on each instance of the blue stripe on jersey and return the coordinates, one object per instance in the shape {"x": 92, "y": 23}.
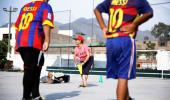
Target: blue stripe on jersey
{"x": 31, "y": 31}
{"x": 39, "y": 30}
{"x": 33, "y": 26}
{"x": 31, "y": 34}
{"x": 127, "y": 18}
{"x": 19, "y": 38}
{"x": 38, "y": 16}
{"x": 20, "y": 33}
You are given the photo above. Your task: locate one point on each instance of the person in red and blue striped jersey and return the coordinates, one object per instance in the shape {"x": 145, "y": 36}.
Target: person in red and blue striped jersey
{"x": 124, "y": 18}
{"x": 33, "y": 27}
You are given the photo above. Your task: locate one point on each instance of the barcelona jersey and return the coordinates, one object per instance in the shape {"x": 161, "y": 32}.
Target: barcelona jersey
{"x": 29, "y": 24}
{"x": 122, "y": 13}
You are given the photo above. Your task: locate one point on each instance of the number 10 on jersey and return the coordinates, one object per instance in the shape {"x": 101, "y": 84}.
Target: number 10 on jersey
{"x": 115, "y": 20}
{"x": 25, "y": 21}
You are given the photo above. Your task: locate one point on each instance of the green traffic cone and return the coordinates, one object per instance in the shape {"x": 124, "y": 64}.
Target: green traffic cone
{"x": 100, "y": 79}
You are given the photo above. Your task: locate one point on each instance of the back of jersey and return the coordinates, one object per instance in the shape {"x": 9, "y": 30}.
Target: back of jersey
{"x": 30, "y": 23}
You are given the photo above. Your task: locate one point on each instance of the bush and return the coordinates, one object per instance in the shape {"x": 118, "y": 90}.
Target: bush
{"x": 3, "y": 54}
{"x": 8, "y": 65}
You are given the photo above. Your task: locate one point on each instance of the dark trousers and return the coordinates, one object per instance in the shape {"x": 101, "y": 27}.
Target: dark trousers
{"x": 31, "y": 79}
{"x": 87, "y": 66}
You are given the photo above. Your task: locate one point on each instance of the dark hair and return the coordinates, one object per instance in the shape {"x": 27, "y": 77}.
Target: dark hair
{"x": 82, "y": 42}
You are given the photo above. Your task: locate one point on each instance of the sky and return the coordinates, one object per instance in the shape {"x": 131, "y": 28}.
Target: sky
{"x": 83, "y": 8}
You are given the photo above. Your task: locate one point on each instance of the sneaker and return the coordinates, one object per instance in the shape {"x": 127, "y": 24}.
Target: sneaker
{"x": 81, "y": 85}
{"x": 131, "y": 98}
{"x": 84, "y": 85}
{"x": 39, "y": 98}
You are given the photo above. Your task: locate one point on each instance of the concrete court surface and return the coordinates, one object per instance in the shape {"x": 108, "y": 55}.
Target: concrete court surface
{"x": 140, "y": 88}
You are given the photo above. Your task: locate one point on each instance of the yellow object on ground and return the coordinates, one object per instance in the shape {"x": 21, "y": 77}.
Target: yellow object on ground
{"x": 79, "y": 66}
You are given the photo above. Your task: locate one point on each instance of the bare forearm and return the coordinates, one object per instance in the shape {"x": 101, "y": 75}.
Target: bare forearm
{"x": 99, "y": 18}
{"x": 47, "y": 31}
{"x": 75, "y": 59}
{"x": 128, "y": 29}
{"x": 87, "y": 58}
{"x": 140, "y": 20}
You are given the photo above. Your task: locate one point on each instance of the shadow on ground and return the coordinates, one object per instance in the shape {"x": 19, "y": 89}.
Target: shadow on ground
{"x": 57, "y": 96}
{"x": 91, "y": 85}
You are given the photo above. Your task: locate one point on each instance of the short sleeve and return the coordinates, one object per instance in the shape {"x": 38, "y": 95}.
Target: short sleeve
{"x": 144, "y": 7}
{"x": 86, "y": 48}
{"x": 104, "y": 6}
{"x": 48, "y": 16}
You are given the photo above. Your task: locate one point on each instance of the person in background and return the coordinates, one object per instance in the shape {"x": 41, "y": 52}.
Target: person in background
{"x": 33, "y": 27}
{"x": 83, "y": 55}
{"x": 125, "y": 16}
{"x": 52, "y": 78}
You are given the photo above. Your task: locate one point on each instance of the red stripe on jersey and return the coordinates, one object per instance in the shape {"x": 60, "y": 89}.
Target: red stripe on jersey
{"x": 130, "y": 11}
{"x": 37, "y": 39}
{"x": 25, "y": 33}
{"x": 45, "y": 14}
{"x": 119, "y": 34}
{"x": 24, "y": 37}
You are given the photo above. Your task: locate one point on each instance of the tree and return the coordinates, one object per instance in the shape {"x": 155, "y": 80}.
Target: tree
{"x": 101, "y": 43}
{"x": 150, "y": 45}
{"x": 3, "y": 53}
{"x": 161, "y": 31}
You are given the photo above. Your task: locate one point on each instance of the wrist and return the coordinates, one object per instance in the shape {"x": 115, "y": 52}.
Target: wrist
{"x": 47, "y": 42}
{"x": 135, "y": 24}
{"x": 104, "y": 29}
{"x": 83, "y": 63}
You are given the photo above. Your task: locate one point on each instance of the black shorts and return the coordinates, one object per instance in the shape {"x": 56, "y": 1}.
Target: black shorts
{"x": 87, "y": 65}
{"x": 31, "y": 56}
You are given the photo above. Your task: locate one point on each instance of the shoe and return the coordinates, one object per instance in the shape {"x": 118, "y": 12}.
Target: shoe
{"x": 130, "y": 98}
{"x": 81, "y": 85}
{"x": 39, "y": 98}
{"x": 84, "y": 85}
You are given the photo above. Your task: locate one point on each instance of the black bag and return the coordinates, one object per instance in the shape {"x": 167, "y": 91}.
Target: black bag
{"x": 65, "y": 78}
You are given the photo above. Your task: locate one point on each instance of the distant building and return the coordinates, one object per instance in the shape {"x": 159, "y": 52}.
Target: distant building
{"x": 60, "y": 38}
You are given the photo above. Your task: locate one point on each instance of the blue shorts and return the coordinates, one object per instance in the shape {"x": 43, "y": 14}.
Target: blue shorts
{"x": 121, "y": 58}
